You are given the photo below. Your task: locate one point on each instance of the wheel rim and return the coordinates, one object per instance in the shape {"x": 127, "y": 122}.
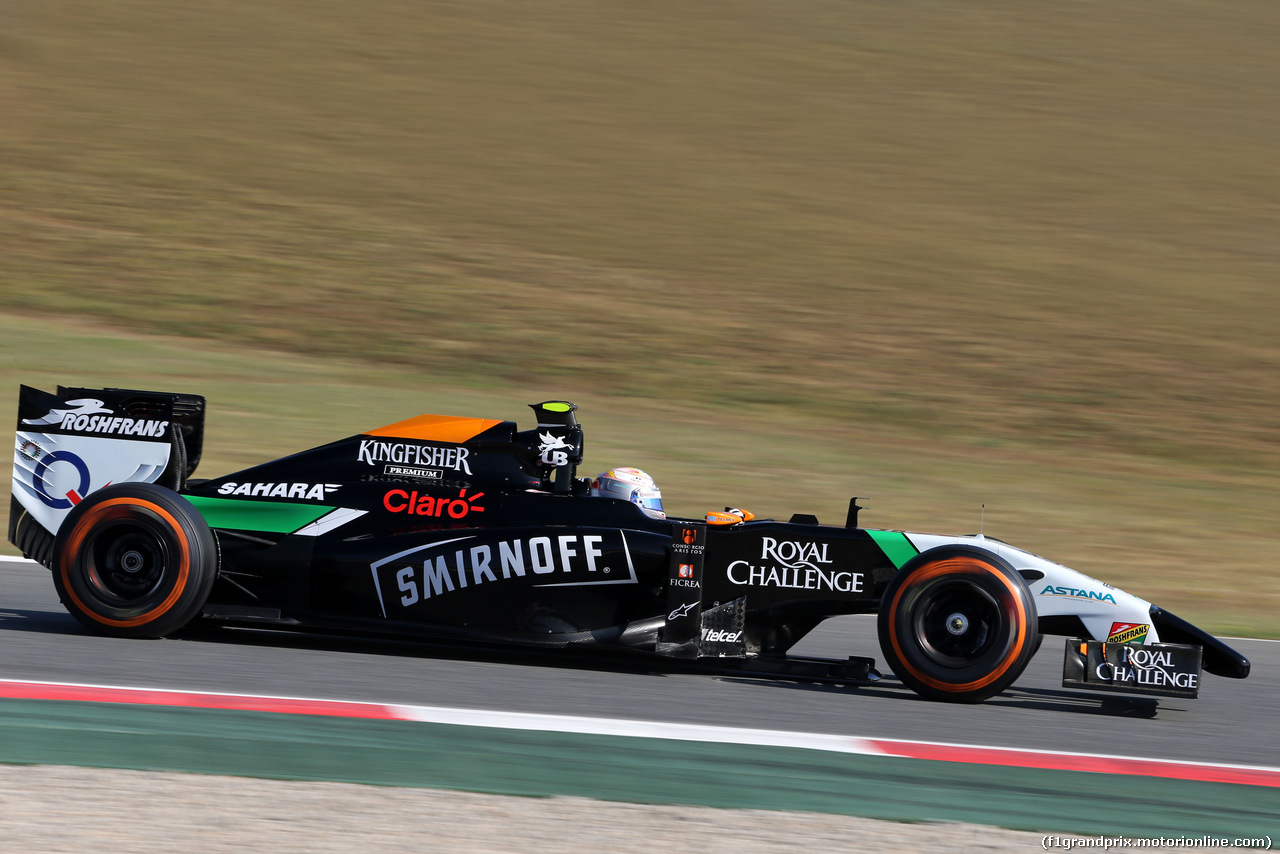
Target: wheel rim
{"x": 128, "y": 564}
{"x": 958, "y": 623}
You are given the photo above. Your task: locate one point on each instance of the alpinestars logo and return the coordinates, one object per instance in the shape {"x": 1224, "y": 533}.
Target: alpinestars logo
{"x": 553, "y": 450}
{"x": 682, "y": 611}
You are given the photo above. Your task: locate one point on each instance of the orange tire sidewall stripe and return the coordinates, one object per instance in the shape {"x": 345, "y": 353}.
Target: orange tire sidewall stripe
{"x": 966, "y": 566}
{"x": 77, "y": 537}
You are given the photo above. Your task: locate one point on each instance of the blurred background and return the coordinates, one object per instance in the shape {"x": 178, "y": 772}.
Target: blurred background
{"x": 1014, "y": 255}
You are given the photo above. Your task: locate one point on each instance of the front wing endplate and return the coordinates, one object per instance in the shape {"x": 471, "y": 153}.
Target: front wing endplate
{"x": 1163, "y": 669}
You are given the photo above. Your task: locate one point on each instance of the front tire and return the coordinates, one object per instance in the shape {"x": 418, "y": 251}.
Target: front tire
{"x": 134, "y": 560}
{"x": 958, "y": 624}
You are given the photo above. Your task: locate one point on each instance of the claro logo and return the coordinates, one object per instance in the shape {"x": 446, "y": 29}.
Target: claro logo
{"x": 453, "y": 507}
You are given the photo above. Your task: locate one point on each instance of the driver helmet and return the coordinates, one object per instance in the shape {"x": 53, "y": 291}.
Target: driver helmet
{"x": 630, "y": 485}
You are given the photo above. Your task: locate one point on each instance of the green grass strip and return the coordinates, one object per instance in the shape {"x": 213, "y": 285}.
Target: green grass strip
{"x": 612, "y": 768}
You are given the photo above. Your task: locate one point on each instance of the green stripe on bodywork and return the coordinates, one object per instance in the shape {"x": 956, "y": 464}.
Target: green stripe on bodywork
{"x": 896, "y": 545}
{"x": 268, "y": 516}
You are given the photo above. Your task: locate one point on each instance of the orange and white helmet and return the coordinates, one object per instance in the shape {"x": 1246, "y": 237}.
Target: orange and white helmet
{"x": 630, "y": 485}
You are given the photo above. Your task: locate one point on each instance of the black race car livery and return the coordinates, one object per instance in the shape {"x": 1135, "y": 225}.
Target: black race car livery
{"x": 471, "y": 530}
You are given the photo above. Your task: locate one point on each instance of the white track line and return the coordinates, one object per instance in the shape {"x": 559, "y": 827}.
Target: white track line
{"x": 578, "y": 725}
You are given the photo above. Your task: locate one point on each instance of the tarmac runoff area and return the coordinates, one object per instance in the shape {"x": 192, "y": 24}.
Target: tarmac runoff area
{"x": 57, "y": 809}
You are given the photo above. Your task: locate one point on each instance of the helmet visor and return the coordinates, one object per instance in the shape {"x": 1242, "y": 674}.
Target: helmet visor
{"x": 647, "y": 500}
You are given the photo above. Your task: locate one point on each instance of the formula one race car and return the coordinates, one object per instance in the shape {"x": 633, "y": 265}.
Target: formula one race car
{"x": 469, "y": 530}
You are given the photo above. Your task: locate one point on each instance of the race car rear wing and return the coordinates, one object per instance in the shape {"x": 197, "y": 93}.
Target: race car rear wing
{"x": 79, "y": 440}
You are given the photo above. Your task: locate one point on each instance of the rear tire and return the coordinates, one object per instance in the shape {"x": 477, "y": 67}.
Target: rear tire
{"x": 958, "y": 624}
{"x": 134, "y": 560}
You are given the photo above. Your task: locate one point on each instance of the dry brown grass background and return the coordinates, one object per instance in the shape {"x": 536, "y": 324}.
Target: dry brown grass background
{"x": 1021, "y": 254}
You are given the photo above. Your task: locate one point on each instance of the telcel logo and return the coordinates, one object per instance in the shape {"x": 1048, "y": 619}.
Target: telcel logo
{"x": 455, "y": 507}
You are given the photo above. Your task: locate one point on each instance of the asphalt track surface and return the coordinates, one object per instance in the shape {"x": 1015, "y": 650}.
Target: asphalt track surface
{"x": 1232, "y": 722}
